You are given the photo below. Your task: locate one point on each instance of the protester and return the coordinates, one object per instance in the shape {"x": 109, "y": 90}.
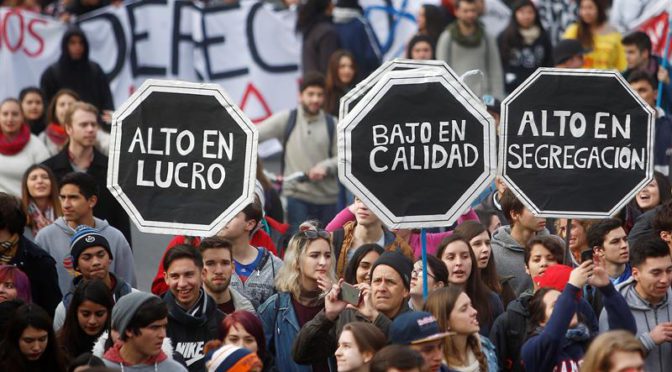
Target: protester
{"x": 578, "y": 240}
{"x": 319, "y": 36}
{"x": 479, "y": 240}
{"x": 559, "y": 338}
{"x": 87, "y": 318}
{"x": 91, "y": 259}
{"x": 437, "y": 277}
{"x": 193, "y": 317}
{"x": 524, "y": 45}
{"x": 420, "y": 47}
{"x": 79, "y": 195}
{"x": 357, "y": 345}
{"x": 394, "y": 358}
{"x": 648, "y": 295}
{"x": 359, "y": 268}
{"x": 340, "y": 79}
{"x": 465, "y": 46}
{"x": 74, "y": 70}
{"x": 19, "y": 149}
{"x": 17, "y": 250}
{"x": 431, "y": 21}
{"x": 661, "y": 223}
{"x": 384, "y": 299}
{"x": 307, "y": 135}
{"x": 80, "y": 155}
{"x": 508, "y": 241}
{"x": 465, "y": 349}
{"x": 244, "y": 329}
{"x": 463, "y": 272}
{"x": 568, "y": 53}
{"x": 595, "y": 33}
{"x": 232, "y": 358}
{"x": 54, "y": 136}
{"x": 33, "y": 108}
{"x": 356, "y": 35}
{"x": 421, "y": 332}
{"x": 217, "y": 270}
{"x": 614, "y": 351}
{"x": 307, "y": 272}
{"x": 639, "y": 57}
{"x": 641, "y": 210}
{"x": 141, "y": 319}
{"x": 39, "y": 198}
{"x": 14, "y": 284}
{"x": 29, "y": 343}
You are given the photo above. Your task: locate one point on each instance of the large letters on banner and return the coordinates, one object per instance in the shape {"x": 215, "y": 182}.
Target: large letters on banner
{"x": 576, "y": 143}
{"x": 182, "y": 158}
{"x": 418, "y": 148}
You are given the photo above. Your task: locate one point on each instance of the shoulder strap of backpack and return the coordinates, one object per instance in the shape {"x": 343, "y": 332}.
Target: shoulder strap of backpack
{"x": 330, "y": 131}
{"x": 289, "y": 127}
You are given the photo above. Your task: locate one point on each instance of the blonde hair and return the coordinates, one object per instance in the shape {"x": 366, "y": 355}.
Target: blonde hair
{"x": 289, "y": 275}
{"x": 598, "y": 356}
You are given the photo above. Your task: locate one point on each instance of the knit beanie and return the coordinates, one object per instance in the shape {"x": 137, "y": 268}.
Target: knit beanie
{"x": 231, "y": 358}
{"x": 86, "y": 237}
{"x": 126, "y": 307}
{"x": 399, "y": 263}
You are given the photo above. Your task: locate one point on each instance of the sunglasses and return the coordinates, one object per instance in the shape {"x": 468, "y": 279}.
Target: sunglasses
{"x": 314, "y": 234}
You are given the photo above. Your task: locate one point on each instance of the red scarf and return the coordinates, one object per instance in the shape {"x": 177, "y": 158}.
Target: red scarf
{"x": 56, "y": 134}
{"x": 15, "y": 145}
{"x": 113, "y": 354}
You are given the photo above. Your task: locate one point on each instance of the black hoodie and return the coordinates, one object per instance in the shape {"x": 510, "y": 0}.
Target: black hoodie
{"x": 83, "y": 76}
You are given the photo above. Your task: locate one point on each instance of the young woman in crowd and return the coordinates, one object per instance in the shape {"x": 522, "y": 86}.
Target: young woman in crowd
{"x": 596, "y": 34}
{"x": 87, "y": 317}
{"x": 357, "y": 344}
{"x": 39, "y": 197}
{"x": 14, "y": 284}
{"x": 54, "y": 136}
{"x": 657, "y": 192}
{"x": 242, "y": 328}
{"x": 420, "y": 47}
{"x": 30, "y": 344}
{"x": 463, "y": 272}
{"x": 578, "y": 239}
{"x": 431, "y": 21}
{"x": 307, "y": 272}
{"x": 359, "y": 266}
{"x": 340, "y": 79}
{"x": 524, "y": 45}
{"x": 437, "y": 277}
{"x": 32, "y": 106}
{"x": 466, "y": 350}
{"x": 614, "y": 351}
{"x": 554, "y": 313}
{"x": 19, "y": 149}
{"x": 478, "y": 237}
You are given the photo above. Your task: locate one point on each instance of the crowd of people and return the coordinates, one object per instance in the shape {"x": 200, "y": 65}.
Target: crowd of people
{"x": 307, "y": 277}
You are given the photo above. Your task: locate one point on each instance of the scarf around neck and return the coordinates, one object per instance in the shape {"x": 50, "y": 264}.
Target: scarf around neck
{"x": 530, "y": 35}
{"x": 14, "y": 145}
{"x": 40, "y": 219}
{"x": 311, "y": 298}
{"x": 470, "y": 41}
{"x": 56, "y": 133}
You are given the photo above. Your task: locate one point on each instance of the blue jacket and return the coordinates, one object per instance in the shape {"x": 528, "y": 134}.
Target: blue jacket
{"x": 357, "y": 37}
{"x": 551, "y": 349}
{"x": 280, "y": 329}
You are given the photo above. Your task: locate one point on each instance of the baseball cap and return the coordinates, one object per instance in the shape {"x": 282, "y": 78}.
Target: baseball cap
{"x": 415, "y": 327}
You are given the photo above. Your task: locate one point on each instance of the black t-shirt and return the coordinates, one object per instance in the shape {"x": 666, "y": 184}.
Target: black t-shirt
{"x": 227, "y": 307}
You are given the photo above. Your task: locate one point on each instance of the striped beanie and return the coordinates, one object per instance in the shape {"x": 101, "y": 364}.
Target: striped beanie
{"x": 86, "y": 237}
{"x": 231, "y": 358}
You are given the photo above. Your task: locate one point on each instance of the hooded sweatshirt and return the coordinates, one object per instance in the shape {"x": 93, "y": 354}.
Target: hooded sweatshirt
{"x": 55, "y": 239}
{"x": 83, "y": 76}
{"x": 647, "y": 316}
{"x": 510, "y": 258}
{"x": 191, "y": 329}
{"x": 260, "y": 285}
{"x": 159, "y": 363}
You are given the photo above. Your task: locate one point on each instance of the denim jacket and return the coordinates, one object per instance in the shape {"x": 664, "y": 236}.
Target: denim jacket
{"x": 280, "y": 329}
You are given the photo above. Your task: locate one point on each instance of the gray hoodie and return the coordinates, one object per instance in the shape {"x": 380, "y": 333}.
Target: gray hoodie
{"x": 260, "y": 285}
{"x": 55, "y": 239}
{"x": 510, "y": 259}
{"x": 647, "y": 317}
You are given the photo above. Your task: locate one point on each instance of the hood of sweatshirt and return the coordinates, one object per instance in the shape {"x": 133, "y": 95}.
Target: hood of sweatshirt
{"x": 627, "y": 290}
{"x": 504, "y": 238}
{"x": 65, "y": 58}
{"x": 181, "y": 316}
{"x": 99, "y": 346}
{"x": 101, "y": 225}
{"x": 519, "y": 305}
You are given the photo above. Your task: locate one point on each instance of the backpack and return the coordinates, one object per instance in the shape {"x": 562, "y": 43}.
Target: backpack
{"x": 289, "y": 127}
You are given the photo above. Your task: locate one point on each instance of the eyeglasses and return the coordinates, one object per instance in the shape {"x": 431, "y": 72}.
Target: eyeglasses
{"x": 418, "y": 272}
{"x": 316, "y": 233}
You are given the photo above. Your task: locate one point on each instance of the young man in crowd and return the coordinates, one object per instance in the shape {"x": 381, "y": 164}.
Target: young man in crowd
{"x": 508, "y": 241}
{"x": 79, "y": 195}
{"x": 91, "y": 257}
{"x": 366, "y": 229}
{"x": 81, "y": 155}
{"x": 639, "y": 57}
{"x": 466, "y": 46}
{"x": 649, "y": 297}
{"x": 16, "y": 250}
{"x": 217, "y": 271}
{"x": 385, "y": 298}
{"x": 308, "y": 138}
{"x": 255, "y": 267}
{"x": 608, "y": 239}
{"x": 420, "y": 331}
{"x": 141, "y": 319}
{"x": 193, "y": 317}
{"x": 645, "y": 85}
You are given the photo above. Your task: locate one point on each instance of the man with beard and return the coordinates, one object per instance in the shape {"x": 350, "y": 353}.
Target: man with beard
{"x": 217, "y": 270}
{"x": 307, "y": 135}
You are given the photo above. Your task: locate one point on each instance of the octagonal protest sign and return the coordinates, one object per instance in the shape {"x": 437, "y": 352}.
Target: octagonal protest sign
{"x": 182, "y": 158}
{"x": 417, "y": 149}
{"x": 576, "y": 143}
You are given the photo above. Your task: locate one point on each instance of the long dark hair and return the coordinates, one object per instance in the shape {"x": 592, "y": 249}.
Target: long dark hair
{"x": 470, "y": 230}
{"x": 30, "y": 315}
{"x": 584, "y": 33}
{"x": 477, "y": 291}
{"x": 350, "y": 274}
{"x": 334, "y": 87}
{"x": 537, "y": 308}
{"x": 511, "y": 38}
{"x": 310, "y": 13}
{"x": 72, "y": 338}
{"x": 435, "y": 21}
